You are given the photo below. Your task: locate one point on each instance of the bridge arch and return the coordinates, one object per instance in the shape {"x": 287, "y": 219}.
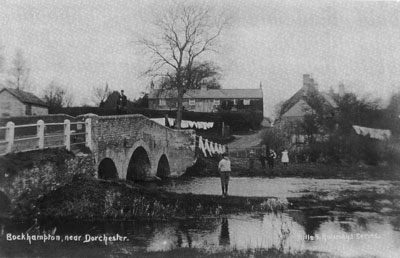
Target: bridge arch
{"x": 163, "y": 169}
{"x": 107, "y": 169}
{"x": 139, "y": 166}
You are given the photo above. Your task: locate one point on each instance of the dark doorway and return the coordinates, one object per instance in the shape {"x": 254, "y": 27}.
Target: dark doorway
{"x": 163, "y": 167}
{"x": 107, "y": 169}
{"x": 139, "y": 165}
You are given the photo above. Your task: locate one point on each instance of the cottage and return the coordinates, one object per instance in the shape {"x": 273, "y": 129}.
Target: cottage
{"x": 297, "y": 106}
{"x": 294, "y": 110}
{"x": 14, "y": 102}
{"x": 208, "y": 100}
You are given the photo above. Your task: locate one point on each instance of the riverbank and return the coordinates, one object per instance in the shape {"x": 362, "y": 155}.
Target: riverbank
{"x": 172, "y": 220}
{"x": 93, "y": 199}
{"x": 88, "y": 198}
{"x": 240, "y": 168}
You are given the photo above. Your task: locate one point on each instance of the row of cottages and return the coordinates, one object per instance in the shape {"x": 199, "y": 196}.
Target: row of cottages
{"x": 298, "y": 106}
{"x": 15, "y": 102}
{"x": 208, "y": 100}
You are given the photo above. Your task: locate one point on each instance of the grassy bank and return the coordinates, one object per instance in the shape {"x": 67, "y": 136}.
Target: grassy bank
{"x": 87, "y": 198}
{"x": 92, "y": 199}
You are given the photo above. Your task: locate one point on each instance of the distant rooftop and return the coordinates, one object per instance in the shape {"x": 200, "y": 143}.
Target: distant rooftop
{"x": 308, "y": 86}
{"x": 25, "y": 97}
{"x": 210, "y": 94}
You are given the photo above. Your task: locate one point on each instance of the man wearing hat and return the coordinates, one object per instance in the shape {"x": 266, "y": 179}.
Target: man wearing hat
{"x": 224, "y": 168}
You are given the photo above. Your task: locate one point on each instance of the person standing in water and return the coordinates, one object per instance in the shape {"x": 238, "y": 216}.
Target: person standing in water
{"x": 224, "y": 168}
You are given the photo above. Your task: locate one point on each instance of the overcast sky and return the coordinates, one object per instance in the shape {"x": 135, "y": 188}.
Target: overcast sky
{"x": 84, "y": 44}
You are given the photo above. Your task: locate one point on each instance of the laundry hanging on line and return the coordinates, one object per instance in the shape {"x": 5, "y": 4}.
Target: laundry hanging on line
{"x": 185, "y": 123}
{"x": 379, "y": 134}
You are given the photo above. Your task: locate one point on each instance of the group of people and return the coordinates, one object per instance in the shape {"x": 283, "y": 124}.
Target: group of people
{"x": 122, "y": 102}
{"x": 271, "y": 157}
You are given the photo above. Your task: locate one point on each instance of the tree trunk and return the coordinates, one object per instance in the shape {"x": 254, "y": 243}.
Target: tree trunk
{"x": 180, "y": 109}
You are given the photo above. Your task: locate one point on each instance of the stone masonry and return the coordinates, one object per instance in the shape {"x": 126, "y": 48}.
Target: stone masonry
{"x": 117, "y": 138}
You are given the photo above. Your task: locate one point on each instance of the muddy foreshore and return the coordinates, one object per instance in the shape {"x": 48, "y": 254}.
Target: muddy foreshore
{"x": 92, "y": 199}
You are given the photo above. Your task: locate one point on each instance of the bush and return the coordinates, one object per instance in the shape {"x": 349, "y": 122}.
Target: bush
{"x": 351, "y": 149}
{"x": 274, "y": 139}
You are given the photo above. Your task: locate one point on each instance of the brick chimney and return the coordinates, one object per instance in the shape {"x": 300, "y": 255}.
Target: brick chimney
{"x": 341, "y": 89}
{"x": 308, "y": 84}
{"x": 306, "y": 79}
{"x": 203, "y": 88}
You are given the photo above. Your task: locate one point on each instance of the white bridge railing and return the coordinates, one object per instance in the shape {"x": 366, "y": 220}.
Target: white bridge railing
{"x": 28, "y": 137}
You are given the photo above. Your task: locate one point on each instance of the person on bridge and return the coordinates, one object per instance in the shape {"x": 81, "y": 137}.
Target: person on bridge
{"x": 124, "y": 102}
{"x": 119, "y": 104}
{"x": 224, "y": 168}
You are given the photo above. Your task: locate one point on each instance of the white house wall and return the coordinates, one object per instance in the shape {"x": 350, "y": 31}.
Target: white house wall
{"x": 10, "y": 105}
{"x": 37, "y": 110}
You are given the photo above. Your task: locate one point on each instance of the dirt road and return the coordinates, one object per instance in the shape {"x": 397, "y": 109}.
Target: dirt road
{"x": 246, "y": 141}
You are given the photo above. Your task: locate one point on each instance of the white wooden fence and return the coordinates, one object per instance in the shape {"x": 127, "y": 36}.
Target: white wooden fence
{"x": 45, "y": 137}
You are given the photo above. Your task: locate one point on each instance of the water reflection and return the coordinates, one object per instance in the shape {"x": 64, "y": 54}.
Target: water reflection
{"x": 343, "y": 234}
{"x": 224, "y": 235}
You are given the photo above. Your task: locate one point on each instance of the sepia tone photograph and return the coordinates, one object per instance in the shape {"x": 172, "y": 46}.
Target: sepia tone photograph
{"x": 182, "y": 128}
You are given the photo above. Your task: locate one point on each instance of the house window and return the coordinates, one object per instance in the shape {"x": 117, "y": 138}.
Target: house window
{"x": 28, "y": 110}
{"x": 234, "y": 102}
{"x": 162, "y": 102}
{"x": 192, "y": 102}
{"x": 246, "y": 102}
{"x": 217, "y": 102}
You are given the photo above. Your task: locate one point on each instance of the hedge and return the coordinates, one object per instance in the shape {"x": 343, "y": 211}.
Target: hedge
{"x": 237, "y": 120}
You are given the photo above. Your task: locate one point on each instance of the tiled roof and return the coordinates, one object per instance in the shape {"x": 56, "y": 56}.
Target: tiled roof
{"x": 25, "y": 97}
{"x": 210, "y": 94}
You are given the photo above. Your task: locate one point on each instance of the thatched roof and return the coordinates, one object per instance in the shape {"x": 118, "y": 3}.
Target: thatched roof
{"x": 303, "y": 93}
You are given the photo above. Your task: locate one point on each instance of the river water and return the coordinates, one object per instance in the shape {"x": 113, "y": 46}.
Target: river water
{"x": 340, "y": 233}
{"x": 268, "y": 187}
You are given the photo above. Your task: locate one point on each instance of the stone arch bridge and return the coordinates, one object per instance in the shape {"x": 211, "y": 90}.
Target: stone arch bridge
{"x": 128, "y": 147}
{"x": 133, "y": 147}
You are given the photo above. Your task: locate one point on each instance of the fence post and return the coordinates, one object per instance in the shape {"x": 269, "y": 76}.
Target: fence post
{"x": 88, "y": 135}
{"x": 40, "y": 133}
{"x": 67, "y": 134}
{"x": 10, "y": 136}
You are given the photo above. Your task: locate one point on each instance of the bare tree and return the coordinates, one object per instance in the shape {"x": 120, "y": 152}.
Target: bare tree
{"x": 100, "y": 95}
{"x": 2, "y": 59}
{"x": 19, "y": 72}
{"x": 184, "y": 34}
{"x": 203, "y": 74}
{"x": 57, "y": 97}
